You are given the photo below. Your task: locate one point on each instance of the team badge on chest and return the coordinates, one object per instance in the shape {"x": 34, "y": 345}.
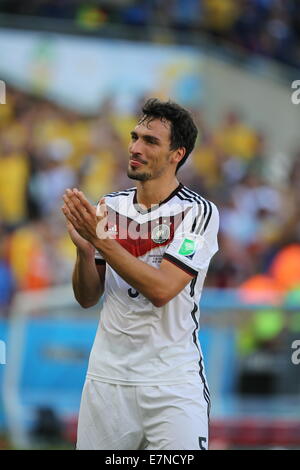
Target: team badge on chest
{"x": 160, "y": 234}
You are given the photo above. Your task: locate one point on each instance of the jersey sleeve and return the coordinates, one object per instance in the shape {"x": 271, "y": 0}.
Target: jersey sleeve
{"x": 99, "y": 258}
{"x": 195, "y": 241}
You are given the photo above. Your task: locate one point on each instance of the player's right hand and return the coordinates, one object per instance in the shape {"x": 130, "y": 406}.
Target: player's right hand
{"x": 83, "y": 245}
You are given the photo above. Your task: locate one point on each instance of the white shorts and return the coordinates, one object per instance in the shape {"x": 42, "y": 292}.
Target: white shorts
{"x": 126, "y": 417}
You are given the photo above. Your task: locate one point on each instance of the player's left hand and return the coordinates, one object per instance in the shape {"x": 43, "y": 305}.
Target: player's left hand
{"x": 89, "y": 223}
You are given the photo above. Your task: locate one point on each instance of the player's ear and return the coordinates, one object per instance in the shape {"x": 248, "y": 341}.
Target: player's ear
{"x": 178, "y": 155}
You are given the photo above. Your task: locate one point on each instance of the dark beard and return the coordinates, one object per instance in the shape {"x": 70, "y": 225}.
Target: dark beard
{"x": 138, "y": 176}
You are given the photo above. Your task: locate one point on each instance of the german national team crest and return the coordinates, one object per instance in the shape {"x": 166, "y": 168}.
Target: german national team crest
{"x": 160, "y": 234}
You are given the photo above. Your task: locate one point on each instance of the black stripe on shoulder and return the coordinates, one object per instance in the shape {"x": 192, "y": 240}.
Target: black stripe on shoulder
{"x": 183, "y": 197}
{"x": 207, "y": 210}
{"x": 126, "y": 192}
{"x": 194, "y": 197}
{"x": 200, "y": 217}
{"x": 208, "y": 217}
{"x": 190, "y": 196}
{"x": 119, "y": 194}
{"x": 204, "y": 223}
{"x": 196, "y": 218}
{"x": 192, "y": 193}
{"x": 187, "y": 197}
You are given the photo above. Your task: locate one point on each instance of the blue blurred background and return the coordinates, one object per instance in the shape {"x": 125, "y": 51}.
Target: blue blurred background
{"x": 74, "y": 75}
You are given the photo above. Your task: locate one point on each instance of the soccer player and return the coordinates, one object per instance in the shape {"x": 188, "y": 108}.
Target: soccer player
{"x": 148, "y": 250}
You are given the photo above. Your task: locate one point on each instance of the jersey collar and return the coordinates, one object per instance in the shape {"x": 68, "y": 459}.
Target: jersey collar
{"x": 145, "y": 211}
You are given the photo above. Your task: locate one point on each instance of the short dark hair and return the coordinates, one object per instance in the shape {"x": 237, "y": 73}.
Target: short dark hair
{"x": 183, "y": 129}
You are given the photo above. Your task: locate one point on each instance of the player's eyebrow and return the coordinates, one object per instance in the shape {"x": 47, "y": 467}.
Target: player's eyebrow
{"x": 146, "y": 137}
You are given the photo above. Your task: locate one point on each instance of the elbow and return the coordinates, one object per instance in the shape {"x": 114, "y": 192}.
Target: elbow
{"x": 162, "y": 295}
{"x": 86, "y": 303}
{"x": 159, "y": 303}
{"x": 159, "y": 300}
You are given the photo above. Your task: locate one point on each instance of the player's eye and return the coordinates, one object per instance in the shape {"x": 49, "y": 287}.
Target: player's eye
{"x": 150, "y": 141}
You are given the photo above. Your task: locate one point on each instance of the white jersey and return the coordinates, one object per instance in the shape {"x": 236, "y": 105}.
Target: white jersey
{"x": 137, "y": 343}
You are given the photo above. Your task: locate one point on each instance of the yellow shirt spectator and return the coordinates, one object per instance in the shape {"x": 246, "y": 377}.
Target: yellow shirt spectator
{"x": 220, "y": 14}
{"x": 236, "y": 139}
{"x": 13, "y": 180}
{"x": 205, "y": 163}
{"x": 98, "y": 180}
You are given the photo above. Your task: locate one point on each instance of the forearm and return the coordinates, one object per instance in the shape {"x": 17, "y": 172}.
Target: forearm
{"x": 146, "y": 279}
{"x": 87, "y": 285}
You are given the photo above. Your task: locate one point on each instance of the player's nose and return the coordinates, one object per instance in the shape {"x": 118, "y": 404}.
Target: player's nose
{"x": 136, "y": 147}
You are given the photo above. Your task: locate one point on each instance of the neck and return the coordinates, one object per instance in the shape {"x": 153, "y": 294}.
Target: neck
{"x": 153, "y": 192}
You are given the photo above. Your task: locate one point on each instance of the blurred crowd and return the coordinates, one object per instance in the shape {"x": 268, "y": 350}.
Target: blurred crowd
{"x": 270, "y": 28}
{"x": 45, "y": 148}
